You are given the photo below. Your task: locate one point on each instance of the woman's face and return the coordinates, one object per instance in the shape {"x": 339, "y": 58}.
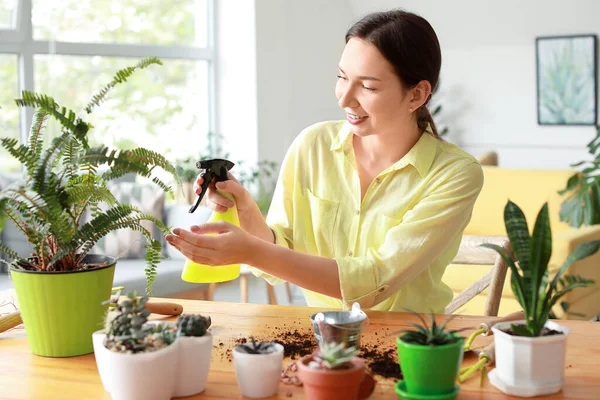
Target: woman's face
{"x": 369, "y": 90}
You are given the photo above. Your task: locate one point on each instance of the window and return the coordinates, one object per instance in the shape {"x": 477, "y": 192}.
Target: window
{"x": 9, "y": 115}
{"x": 69, "y": 49}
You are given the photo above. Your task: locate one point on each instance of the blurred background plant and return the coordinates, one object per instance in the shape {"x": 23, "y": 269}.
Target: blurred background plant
{"x": 258, "y": 178}
{"x": 581, "y": 205}
{"x": 437, "y": 109}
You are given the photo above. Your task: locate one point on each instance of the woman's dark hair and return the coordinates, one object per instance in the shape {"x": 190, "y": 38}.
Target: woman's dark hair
{"x": 410, "y": 44}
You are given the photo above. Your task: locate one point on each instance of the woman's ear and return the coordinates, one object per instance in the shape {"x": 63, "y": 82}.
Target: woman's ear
{"x": 420, "y": 94}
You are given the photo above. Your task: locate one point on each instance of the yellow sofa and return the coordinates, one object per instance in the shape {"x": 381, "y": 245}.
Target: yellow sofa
{"x": 529, "y": 189}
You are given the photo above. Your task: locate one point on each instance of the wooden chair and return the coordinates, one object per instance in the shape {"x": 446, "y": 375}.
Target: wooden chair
{"x": 471, "y": 253}
{"x": 244, "y": 274}
{"x": 489, "y": 158}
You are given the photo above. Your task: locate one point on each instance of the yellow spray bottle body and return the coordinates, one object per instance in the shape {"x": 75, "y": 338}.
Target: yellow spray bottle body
{"x": 200, "y": 273}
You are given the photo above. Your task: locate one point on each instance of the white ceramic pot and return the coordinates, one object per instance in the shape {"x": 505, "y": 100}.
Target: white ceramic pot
{"x": 193, "y": 365}
{"x": 258, "y": 375}
{"x": 148, "y": 376}
{"x": 527, "y": 366}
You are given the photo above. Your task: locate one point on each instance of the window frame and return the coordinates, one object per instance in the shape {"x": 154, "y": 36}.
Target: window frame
{"x": 20, "y": 41}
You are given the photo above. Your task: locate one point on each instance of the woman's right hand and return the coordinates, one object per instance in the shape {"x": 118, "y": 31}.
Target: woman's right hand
{"x": 220, "y": 203}
{"x": 251, "y": 219}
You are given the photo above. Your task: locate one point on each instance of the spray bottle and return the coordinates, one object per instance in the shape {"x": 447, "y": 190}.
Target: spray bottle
{"x": 200, "y": 273}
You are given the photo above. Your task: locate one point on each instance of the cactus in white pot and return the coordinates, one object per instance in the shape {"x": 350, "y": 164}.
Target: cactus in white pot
{"x": 195, "y": 347}
{"x": 258, "y": 367}
{"x": 134, "y": 350}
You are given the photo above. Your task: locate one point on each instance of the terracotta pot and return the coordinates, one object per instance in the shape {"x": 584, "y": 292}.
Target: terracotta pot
{"x": 322, "y": 384}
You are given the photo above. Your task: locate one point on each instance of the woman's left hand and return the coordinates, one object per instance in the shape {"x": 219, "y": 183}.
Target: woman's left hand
{"x": 232, "y": 245}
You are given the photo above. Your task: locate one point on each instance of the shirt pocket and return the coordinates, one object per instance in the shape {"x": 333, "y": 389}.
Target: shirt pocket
{"x": 320, "y": 225}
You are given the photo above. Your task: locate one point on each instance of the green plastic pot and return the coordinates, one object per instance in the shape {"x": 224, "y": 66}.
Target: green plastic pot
{"x": 61, "y": 310}
{"x": 430, "y": 370}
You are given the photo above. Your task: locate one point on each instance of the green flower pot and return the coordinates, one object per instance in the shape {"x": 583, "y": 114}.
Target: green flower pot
{"x": 61, "y": 310}
{"x": 430, "y": 370}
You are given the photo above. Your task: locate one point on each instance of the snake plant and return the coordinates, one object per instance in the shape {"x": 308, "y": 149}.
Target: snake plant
{"x": 528, "y": 262}
{"x": 63, "y": 182}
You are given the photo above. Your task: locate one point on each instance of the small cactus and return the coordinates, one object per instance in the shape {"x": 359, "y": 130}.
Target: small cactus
{"x": 333, "y": 356}
{"x": 129, "y": 333}
{"x": 254, "y": 347}
{"x": 192, "y": 325}
{"x": 434, "y": 335}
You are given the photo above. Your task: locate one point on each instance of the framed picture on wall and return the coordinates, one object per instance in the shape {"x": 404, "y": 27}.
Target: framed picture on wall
{"x": 567, "y": 91}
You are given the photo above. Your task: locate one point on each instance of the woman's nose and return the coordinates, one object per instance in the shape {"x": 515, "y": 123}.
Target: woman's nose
{"x": 347, "y": 98}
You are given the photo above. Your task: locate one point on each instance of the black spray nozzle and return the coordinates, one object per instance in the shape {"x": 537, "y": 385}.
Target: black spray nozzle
{"x": 217, "y": 169}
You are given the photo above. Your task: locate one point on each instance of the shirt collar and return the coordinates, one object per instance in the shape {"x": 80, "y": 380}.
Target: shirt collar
{"x": 420, "y": 156}
{"x": 341, "y": 137}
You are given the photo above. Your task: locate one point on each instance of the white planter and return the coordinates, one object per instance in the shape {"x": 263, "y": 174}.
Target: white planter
{"x": 148, "y": 376}
{"x": 193, "y": 365}
{"x": 527, "y": 366}
{"x": 258, "y": 375}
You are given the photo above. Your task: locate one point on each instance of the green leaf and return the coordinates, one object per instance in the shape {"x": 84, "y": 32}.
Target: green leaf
{"x": 572, "y": 182}
{"x": 541, "y": 250}
{"x": 517, "y": 282}
{"x": 582, "y": 251}
{"x": 120, "y": 77}
{"x": 518, "y": 234}
{"x": 575, "y": 282}
{"x": 521, "y": 330}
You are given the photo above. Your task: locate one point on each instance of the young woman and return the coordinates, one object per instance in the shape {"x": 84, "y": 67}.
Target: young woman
{"x": 367, "y": 210}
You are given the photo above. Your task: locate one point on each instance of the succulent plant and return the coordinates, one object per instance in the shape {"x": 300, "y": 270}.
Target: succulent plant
{"x": 333, "y": 356}
{"x": 254, "y": 347}
{"x": 192, "y": 325}
{"x": 434, "y": 335}
{"x": 129, "y": 332}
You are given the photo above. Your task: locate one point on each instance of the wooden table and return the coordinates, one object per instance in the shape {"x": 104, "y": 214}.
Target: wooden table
{"x": 26, "y": 376}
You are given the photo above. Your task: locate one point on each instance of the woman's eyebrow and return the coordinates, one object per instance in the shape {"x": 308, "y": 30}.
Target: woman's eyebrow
{"x": 365, "y": 78}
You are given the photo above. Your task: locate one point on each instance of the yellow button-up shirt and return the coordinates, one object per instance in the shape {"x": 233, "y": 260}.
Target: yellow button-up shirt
{"x": 392, "y": 246}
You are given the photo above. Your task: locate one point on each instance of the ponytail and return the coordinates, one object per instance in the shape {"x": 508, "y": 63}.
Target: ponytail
{"x": 423, "y": 118}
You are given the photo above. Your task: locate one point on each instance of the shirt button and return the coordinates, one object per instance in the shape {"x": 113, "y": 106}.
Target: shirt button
{"x": 378, "y": 181}
{"x": 357, "y": 212}
{"x": 350, "y": 253}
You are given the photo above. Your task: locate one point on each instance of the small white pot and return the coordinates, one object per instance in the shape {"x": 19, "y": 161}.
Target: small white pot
{"x": 258, "y": 375}
{"x": 527, "y": 366}
{"x": 148, "y": 376}
{"x": 194, "y": 363}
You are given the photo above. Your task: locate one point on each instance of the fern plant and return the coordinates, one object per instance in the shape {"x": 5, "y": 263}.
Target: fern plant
{"x": 63, "y": 182}
{"x": 529, "y": 267}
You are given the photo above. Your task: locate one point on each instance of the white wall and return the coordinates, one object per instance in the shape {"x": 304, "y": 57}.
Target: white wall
{"x": 298, "y": 48}
{"x": 488, "y": 76}
{"x": 489, "y": 73}
{"x": 235, "y": 88}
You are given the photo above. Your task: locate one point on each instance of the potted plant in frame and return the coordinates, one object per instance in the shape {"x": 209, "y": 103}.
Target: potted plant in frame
{"x": 430, "y": 358}
{"x": 133, "y": 350}
{"x": 333, "y": 372}
{"x": 195, "y": 346}
{"x": 530, "y": 354}
{"x": 258, "y": 367}
{"x": 60, "y": 287}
